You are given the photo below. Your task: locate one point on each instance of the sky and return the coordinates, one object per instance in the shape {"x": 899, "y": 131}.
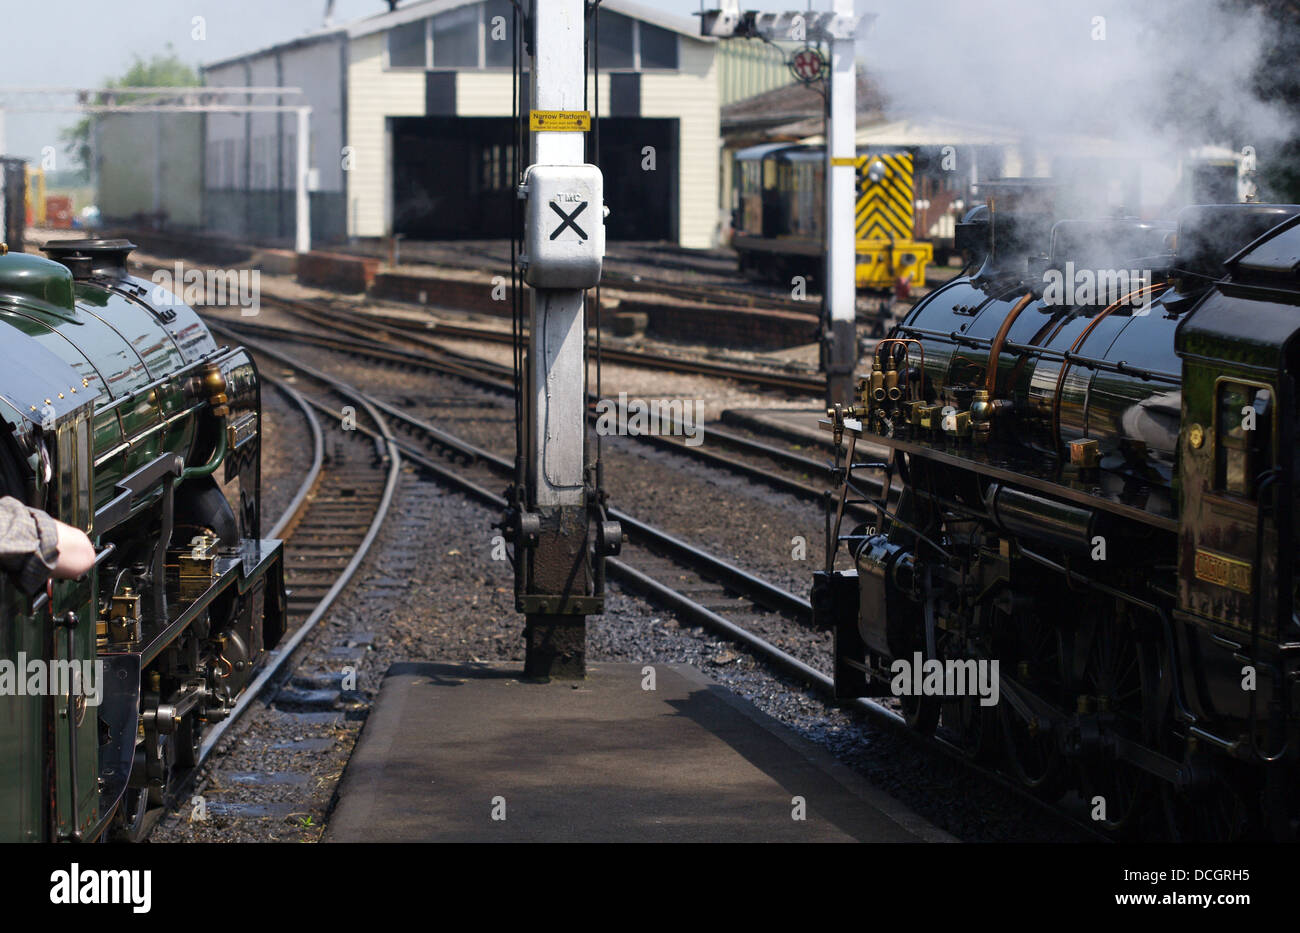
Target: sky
{"x": 1037, "y": 66}
{"x": 94, "y": 41}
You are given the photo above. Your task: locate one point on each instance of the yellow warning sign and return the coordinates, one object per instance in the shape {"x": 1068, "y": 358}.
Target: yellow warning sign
{"x": 849, "y": 161}
{"x": 559, "y": 121}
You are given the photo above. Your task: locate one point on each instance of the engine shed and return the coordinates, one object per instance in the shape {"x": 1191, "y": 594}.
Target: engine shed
{"x": 411, "y": 126}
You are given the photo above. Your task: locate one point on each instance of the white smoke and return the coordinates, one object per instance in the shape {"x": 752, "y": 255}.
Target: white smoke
{"x": 1159, "y": 77}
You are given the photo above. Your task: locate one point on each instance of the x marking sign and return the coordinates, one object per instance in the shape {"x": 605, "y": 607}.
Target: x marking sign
{"x": 567, "y": 220}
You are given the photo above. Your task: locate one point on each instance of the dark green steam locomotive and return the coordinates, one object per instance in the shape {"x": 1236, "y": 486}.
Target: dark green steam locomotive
{"x": 123, "y": 417}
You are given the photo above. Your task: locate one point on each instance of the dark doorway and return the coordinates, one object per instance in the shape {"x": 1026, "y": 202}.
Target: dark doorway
{"x": 642, "y": 202}
{"x": 453, "y": 177}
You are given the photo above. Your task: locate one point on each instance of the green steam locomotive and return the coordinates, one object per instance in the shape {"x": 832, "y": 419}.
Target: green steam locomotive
{"x": 124, "y": 418}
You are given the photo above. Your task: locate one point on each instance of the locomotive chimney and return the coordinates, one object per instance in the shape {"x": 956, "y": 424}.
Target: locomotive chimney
{"x": 85, "y": 258}
{"x": 1020, "y": 216}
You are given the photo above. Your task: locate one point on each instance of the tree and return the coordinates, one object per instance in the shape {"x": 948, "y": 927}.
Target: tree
{"x": 163, "y": 70}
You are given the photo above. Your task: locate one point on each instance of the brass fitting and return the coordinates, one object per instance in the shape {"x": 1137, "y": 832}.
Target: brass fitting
{"x": 1085, "y": 454}
{"x": 877, "y": 382}
{"x": 123, "y": 625}
{"x": 981, "y": 415}
{"x": 929, "y": 416}
{"x": 957, "y": 424}
{"x": 864, "y": 392}
{"x": 213, "y": 382}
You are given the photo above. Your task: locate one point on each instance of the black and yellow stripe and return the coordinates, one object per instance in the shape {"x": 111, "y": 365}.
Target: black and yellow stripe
{"x": 886, "y": 209}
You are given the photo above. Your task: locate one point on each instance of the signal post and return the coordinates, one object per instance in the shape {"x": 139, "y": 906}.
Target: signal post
{"x": 559, "y": 538}
{"x": 839, "y": 30}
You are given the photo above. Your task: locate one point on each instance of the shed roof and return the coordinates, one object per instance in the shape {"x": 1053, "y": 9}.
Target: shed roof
{"x": 795, "y": 110}
{"x": 379, "y": 22}
{"x": 311, "y": 38}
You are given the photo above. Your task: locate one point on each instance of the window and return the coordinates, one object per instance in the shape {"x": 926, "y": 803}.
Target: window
{"x": 406, "y": 45}
{"x": 498, "y": 168}
{"x": 456, "y": 37}
{"x": 482, "y": 35}
{"x": 658, "y": 47}
{"x": 498, "y": 35}
{"x": 616, "y": 46}
{"x": 1243, "y": 436}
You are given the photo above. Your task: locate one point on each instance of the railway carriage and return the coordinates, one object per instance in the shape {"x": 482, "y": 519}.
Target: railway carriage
{"x": 1092, "y": 499}
{"x": 123, "y": 417}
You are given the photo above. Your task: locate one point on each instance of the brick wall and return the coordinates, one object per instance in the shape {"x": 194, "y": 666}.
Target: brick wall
{"x": 337, "y": 271}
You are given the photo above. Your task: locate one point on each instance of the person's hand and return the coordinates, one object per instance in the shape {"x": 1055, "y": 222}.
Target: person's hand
{"x": 76, "y": 553}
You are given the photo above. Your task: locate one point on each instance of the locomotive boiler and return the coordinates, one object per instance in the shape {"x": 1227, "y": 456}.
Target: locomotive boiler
{"x": 1082, "y": 460}
{"x": 123, "y": 417}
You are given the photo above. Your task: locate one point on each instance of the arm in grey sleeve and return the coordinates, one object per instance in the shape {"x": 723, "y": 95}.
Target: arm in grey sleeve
{"x": 29, "y": 544}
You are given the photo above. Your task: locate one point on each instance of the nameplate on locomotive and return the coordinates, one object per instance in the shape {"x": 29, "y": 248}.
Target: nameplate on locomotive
{"x": 242, "y": 430}
{"x": 1223, "y": 571}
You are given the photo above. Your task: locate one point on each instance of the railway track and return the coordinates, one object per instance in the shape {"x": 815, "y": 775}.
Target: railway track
{"x": 328, "y": 526}
{"x": 788, "y": 472}
{"x": 699, "y": 587}
{"x": 718, "y": 291}
{"x": 419, "y": 333}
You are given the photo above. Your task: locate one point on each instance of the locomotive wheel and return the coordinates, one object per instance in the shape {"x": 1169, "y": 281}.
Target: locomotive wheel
{"x": 973, "y": 725}
{"x": 1220, "y": 808}
{"x": 921, "y": 713}
{"x": 1120, "y": 674}
{"x": 132, "y": 820}
{"x": 976, "y": 728}
{"x": 129, "y": 824}
{"x": 161, "y": 766}
{"x": 189, "y": 741}
{"x": 1030, "y": 754}
{"x": 1220, "y": 813}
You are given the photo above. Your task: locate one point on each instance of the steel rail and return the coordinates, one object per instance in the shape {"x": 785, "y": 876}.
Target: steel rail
{"x": 293, "y": 511}
{"x": 361, "y": 346}
{"x": 406, "y": 330}
{"x": 759, "y": 591}
{"x": 782, "y": 601}
{"x": 278, "y": 657}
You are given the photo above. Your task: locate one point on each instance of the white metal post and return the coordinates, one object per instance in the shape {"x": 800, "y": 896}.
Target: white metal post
{"x": 841, "y": 201}
{"x": 302, "y": 226}
{"x": 558, "y": 580}
{"x": 556, "y": 340}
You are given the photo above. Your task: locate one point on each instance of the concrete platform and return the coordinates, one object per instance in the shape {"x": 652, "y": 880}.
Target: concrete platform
{"x": 600, "y": 761}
